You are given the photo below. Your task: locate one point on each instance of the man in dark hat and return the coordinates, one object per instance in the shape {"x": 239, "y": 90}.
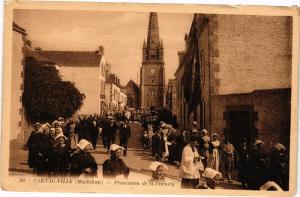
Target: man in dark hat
{"x": 79, "y": 129}
{"x": 112, "y": 130}
{"x": 124, "y": 135}
{"x": 105, "y": 135}
{"x": 258, "y": 172}
{"x": 94, "y": 125}
{"x": 157, "y": 145}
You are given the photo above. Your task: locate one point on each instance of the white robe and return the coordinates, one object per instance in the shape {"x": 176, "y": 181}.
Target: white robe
{"x": 188, "y": 168}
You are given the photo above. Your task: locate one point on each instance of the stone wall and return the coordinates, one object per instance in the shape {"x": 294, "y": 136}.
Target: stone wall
{"x": 253, "y": 52}
{"x": 272, "y": 109}
{"x": 152, "y": 76}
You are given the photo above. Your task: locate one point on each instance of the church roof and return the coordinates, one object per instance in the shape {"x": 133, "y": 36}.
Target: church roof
{"x": 132, "y": 85}
{"x": 19, "y": 29}
{"x": 70, "y": 58}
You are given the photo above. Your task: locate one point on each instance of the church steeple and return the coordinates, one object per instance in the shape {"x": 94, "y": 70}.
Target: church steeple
{"x": 152, "y": 71}
{"x": 153, "y": 49}
{"x": 144, "y": 51}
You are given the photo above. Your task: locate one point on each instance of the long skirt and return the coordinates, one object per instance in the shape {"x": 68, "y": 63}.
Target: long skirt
{"x": 215, "y": 160}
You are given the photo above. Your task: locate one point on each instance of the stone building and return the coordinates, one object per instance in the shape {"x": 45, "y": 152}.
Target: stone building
{"x": 18, "y": 122}
{"x": 171, "y": 96}
{"x": 123, "y": 99}
{"x": 235, "y": 77}
{"x": 86, "y": 69}
{"x": 133, "y": 94}
{"x": 181, "y": 104}
{"x": 116, "y": 98}
{"x": 152, "y": 71}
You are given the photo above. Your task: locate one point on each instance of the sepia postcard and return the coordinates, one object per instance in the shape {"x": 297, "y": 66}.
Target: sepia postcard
{"x": 177, "y": 99}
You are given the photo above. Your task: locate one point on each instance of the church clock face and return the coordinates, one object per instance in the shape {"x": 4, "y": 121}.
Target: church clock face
{"x": 152, "y": 71}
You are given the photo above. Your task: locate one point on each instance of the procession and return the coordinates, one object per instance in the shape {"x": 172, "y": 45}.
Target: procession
{"x": 64, "y": 148}
{"x": 200, "y": 103}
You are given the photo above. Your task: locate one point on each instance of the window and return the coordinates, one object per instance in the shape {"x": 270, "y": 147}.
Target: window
{"x": 202, "y": 67}
{"x": 152, "y": 93}
{"x": 152, "y": 79}
{"x": 150, "y": 104}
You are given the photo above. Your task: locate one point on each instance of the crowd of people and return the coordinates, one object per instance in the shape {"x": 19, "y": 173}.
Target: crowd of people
{"x": 63, "y": 148}
{"x": 254, "y": 166}
{"x": 51, "y": 152}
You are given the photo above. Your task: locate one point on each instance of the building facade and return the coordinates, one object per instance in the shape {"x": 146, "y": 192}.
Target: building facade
{"x": 18, "y": 122}
{"x": 102, "y": 81}
{"x": 123, "y": 99}
{"x": 116, "y": 97}
{"x": 237, "y": 77}
{"x": 152, "y": 73}
{"x": 133, "y": 94}
{"x": 85, "y": 69}
{"x": 171, "y": 96}
{"x": 181, "y": 104}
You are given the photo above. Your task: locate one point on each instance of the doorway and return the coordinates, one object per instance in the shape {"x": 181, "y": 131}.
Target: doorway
{"x": 240, "y": 124}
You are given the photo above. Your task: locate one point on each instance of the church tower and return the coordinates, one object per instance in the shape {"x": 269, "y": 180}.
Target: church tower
{"x": 152, "y": 71}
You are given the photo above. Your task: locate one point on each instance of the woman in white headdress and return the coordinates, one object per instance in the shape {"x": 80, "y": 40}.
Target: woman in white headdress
{"x": 58, "y": 131}
{"x": 215, "y": 153}
{"x": 82, "y": 162}
{"x": 158, "y": 171}
{"x": 212, "y": 177}
{"x": 114, "y": 166}
{"x": 60, "y": 155}
{"x": 166, "y": 143}
{"x": 270, "y": 186}
{"x": 45, "y": 128}
{"x": 43, "y": 149}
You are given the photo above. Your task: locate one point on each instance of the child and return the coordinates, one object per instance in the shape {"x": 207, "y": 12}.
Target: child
{"x": 145, "y": 140}
{"x": 228, "y": 150}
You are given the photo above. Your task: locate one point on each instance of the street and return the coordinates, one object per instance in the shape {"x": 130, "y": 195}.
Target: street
{"x": 137, "y": 160}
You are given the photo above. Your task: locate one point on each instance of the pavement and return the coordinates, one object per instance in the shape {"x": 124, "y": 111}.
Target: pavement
{"x": 137, "y": 160}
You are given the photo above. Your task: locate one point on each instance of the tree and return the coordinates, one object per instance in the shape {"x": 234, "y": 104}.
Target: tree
{"x": 46, "y": 97}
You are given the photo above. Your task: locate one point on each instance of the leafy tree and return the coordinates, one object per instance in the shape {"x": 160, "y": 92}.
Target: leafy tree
{"x": 46, "y": 97}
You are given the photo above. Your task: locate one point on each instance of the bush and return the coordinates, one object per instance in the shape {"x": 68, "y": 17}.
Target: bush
{"x": 46, "y": 97}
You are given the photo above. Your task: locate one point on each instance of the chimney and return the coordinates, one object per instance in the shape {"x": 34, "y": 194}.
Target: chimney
{"x": 101, "y": 50}
{"x": 187, "y": 42}
{"x": 37, "y": 48}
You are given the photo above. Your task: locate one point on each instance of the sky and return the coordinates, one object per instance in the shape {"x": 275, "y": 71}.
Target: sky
{"x": 120, "y": 33}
